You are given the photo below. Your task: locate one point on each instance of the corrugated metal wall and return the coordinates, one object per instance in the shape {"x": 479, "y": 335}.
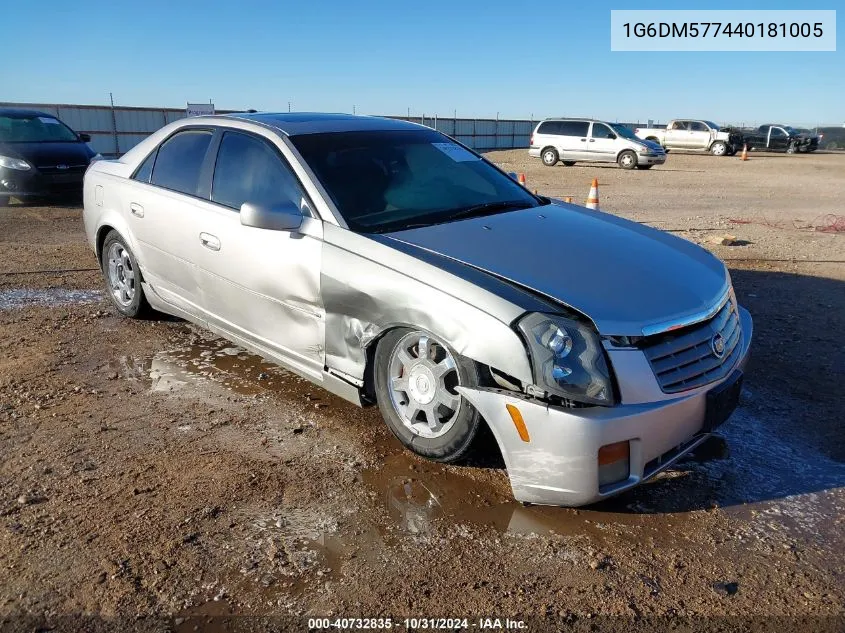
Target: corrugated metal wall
{"x": 117, "y": 130}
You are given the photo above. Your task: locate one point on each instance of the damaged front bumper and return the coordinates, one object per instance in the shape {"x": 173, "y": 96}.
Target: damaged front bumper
{"x": 554, "y": 458}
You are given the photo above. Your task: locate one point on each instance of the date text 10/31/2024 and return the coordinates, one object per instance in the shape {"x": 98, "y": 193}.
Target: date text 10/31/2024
{"x": 417, "y": 624}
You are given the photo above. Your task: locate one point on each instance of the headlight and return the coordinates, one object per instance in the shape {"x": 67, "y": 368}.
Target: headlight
{"x": 644, "y": 150}
{"x": 14, "y": 163}
{"x": 567, "y": 358}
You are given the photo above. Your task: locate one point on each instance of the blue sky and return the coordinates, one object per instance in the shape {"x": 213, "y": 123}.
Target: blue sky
{"x": 478, "y": 58}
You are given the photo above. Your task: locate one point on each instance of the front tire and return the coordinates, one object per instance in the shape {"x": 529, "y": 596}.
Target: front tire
{"x": 719, "y": 148}
{"x": 415, "y": 379}
{"x": 550, "y": 157}
{"x": 123, "y": 277}
{"x": 791, "y": 149}
{"x": 627, "y": 159}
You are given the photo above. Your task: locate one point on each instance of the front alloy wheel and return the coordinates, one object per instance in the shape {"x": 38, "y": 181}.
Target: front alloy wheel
{"x": 123, "y": 278}
{"x": 416, "y": 376}
{"x": 550, "y": 157}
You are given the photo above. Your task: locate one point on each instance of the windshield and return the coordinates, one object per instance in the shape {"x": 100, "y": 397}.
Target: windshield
{"x": 34, "y": 129}
{"x": 790, "y": 130}
{"x": 624, "y": 132}
{"x": 390, "y": 180}
{"x": 712, "y": 126}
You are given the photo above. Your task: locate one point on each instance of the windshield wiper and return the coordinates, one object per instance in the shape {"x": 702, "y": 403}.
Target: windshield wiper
{"x": 488, "y": 208}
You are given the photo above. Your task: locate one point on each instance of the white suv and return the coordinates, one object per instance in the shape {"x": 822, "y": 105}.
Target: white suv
{"x": 583, "y": 140}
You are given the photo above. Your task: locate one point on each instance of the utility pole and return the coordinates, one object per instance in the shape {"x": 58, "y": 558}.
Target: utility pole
{"x": 288, "y": 106}
{"x": 114, "y": 126}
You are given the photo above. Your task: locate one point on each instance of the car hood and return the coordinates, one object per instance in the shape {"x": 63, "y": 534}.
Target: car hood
{"x": 627, "y": 278}
{"x": 650, "y": 144}
{"x": 49, "y": 154}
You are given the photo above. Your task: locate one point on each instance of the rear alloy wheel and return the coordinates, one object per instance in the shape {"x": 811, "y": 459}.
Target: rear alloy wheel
{"x": 416, "y": 376}
{"x": 719, "y": 148}
{"x": 123, "y": 277}
{"x": 627, "y": 159}
{"x": 550, "y": 157}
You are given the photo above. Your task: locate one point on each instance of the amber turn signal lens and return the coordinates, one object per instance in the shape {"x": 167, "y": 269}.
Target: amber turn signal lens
{"x": 518, "y": 422}
{"x": 611, "y": 453}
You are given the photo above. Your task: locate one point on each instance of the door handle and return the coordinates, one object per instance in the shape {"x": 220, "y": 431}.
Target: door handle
{"x": 583, "y": 140}
{"x": 210, "y": 241}
{"x": 136, "y": 209}
{"x": 592, "y": 140}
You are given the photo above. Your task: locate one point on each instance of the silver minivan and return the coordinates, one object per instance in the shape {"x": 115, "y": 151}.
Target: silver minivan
{"x": 587, "y": 140}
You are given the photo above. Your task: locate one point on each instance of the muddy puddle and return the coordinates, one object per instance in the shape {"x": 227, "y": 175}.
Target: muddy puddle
{"x": 13, "y": 298}
{"x": 755, "y": 473}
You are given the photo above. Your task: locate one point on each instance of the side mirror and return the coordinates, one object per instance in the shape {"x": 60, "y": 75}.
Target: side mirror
{"x": 281, "y": 217}
{"x": 611, "y": 136}
{"x": 85, "y": 138}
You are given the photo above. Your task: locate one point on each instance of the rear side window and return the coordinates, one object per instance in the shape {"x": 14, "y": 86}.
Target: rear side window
{"x": 248, "y": 169}
{"x": 574, "y": 128}
{"x": 146, "y": 169}
{"x": 549, "y": 127}
{"x": 179, "y": 161}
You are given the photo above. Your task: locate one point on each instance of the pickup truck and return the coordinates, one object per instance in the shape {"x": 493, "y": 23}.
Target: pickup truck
{"x": 694, "y": 134}
{"x": 779, "y": 138}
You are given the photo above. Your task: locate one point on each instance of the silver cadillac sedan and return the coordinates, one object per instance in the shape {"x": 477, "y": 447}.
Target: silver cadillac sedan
{"x": 392, "y": 265}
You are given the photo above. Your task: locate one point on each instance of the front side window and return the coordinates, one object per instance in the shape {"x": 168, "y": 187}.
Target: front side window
{"x": 698, "y": 126}
{"x": 35, "y": 128}
{"x": 390, "y": 180}
{"x": 600, "y": 130}
{"x": 248, "y": 169}
{"x": 143, "y": 173}
{"x": 179, "y": 161}
{"x": 776, "y": 131}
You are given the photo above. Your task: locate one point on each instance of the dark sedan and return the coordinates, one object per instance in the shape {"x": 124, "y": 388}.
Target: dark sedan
{"x": 40, "y": 156}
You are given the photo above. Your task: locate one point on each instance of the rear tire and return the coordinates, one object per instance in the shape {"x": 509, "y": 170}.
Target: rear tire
{"x": 644, "y": 166}
{"x": 550, "y": 157}
{"x": 569, "y": 163}
{"x": 123, "y": 277}
{"x": 627, "y": 159}
{"x": 415, "y": 376}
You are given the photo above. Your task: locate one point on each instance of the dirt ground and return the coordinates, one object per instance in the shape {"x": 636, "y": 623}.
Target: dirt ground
{"x": 153, "y": 477}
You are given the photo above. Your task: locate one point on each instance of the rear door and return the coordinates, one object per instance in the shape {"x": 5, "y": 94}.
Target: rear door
{"x": 602, "y": 143}
{"x": 259, "y": 284}
{"x": 699, "y": 135}
{"x": 163, "y": 213}
{"x": 573, "y": 140}
{"x": 677, "y": 134}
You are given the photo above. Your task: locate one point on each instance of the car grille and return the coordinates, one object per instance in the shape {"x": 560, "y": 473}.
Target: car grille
{"x": 686, "y": 359}
{"x": 70, "y": 169}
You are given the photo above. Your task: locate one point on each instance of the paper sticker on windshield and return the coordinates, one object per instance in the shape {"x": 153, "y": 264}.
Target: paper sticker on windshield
{"x": 47, "y": 119}
{"x": 456, "y": 152}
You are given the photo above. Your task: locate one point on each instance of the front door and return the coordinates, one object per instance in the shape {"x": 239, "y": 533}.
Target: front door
{"x": 778, "y": 138}
{"x": 699, "y": 135}
{"x": 258, "y": 284}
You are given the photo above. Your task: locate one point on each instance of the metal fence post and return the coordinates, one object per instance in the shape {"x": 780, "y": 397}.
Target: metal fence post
{"x": 114, "y": 126}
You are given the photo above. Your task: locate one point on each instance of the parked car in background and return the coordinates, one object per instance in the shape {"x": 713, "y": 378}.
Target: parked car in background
{"x": 693, "y": 134}
{"x": 40, "y": 156}
{"x": 391, "y": 265}
{"x": 779, "y": 138}
{"x": 586, "y": 140}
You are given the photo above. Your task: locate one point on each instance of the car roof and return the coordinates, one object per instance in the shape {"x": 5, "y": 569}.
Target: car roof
{"x": 295, "y": 123}
{"x": 23, "y": 113}
{"x": 573, "y": 118}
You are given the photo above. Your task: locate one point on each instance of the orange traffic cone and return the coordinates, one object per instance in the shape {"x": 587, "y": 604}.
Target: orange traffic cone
{"x": 744, "y": 152}
{"x": 522, "y": 180}
{"x": 593, "y": 199}
{"x": 568, "y": 199}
